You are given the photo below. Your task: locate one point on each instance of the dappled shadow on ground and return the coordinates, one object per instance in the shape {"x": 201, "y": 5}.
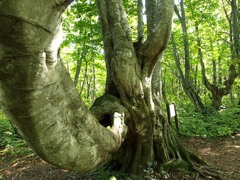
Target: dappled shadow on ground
{"x": 223, "y": 154}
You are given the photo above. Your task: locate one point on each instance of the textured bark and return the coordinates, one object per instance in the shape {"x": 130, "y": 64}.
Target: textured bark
{"x": 37, "y": 93}
{"x": 134, "y": 88}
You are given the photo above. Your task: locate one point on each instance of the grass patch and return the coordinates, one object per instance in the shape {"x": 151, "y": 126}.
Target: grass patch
{"x": 11, "y": 144}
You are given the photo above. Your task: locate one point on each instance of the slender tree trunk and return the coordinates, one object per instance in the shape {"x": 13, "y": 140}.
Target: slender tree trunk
{"x": 214, "y": 69}
{"x": 220, "y": 80}
{"x": 185, "y": 77}
{"x": 187, "y": 87}
{"x": 85, "y": 78}
{"x": 93, "y": 93}
{"x": 79, "y": 65}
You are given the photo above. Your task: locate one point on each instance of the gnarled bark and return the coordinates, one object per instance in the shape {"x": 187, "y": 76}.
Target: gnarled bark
{"x": 37, "y": 93}
{"x": 134, "y": 77}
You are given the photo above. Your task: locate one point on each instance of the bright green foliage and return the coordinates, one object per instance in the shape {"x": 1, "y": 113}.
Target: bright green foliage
{"x": 213, "y": 124}
{"x": 82, "y": 49}
{"x": 214, "y": 32}
{"x": 131, "y": 10}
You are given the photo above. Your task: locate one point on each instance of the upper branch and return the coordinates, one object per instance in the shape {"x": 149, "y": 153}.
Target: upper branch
{"x": 106, "y": 30}
{"x": 140, "y": 21}
{"x": 159, "y": 23}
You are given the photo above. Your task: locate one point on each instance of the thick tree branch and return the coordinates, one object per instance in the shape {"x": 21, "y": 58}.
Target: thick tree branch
{"x": 121, "y": 52}
{"x": 40, "y": 98}
{"x": 159, "y": 21}
{"x": 107, "y": 42}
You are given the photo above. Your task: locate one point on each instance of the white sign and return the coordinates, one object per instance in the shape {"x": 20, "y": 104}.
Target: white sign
{"x": 172, "y": 110}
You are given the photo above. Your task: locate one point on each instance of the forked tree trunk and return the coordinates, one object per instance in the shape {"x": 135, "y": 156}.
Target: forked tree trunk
{"x": 133, "y": 76}
{"x": 217, "y": 92}
{"x": 42, "y": 101}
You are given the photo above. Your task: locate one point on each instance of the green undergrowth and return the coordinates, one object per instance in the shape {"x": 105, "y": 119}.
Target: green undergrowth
{"x": 223, "y": 122}
{"x": 11, "y": 144}
{"x": 212, "y": 124}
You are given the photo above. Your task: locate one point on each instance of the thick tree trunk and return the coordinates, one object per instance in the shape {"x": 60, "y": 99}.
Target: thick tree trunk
{"x": 134, "y": 88}
{"x": 37, "y": 94}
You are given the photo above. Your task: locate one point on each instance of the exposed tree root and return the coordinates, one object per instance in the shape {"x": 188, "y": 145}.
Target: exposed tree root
{"x": 169, "y": 153}
{"x": 207, "y": 172}
{"x": 193, "y": 169}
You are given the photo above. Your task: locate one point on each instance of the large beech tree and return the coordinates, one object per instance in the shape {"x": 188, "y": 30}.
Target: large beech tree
{"x": 41, "y": 100}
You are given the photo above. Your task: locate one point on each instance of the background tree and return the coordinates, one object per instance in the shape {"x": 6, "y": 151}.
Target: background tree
{"x": 185, "y": 77}
{"x": 215, "y": 39}
{"x": 218, "y": 90}
{"x": 82, "y": 49}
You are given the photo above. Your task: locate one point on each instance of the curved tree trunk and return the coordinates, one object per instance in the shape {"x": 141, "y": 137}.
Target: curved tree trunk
{"x": 186, "y": 84}
{"x": 42, "y": 101}
{"x": 37, "y": 93}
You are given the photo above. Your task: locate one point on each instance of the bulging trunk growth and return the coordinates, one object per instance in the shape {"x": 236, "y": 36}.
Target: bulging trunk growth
{"x": 37, "y": 93}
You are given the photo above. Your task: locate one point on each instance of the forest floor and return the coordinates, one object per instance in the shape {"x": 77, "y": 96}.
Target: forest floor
{"x": 221, "y": 153}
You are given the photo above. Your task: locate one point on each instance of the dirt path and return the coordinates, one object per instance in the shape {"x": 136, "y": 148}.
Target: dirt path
{"x": 222, "y": 153}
